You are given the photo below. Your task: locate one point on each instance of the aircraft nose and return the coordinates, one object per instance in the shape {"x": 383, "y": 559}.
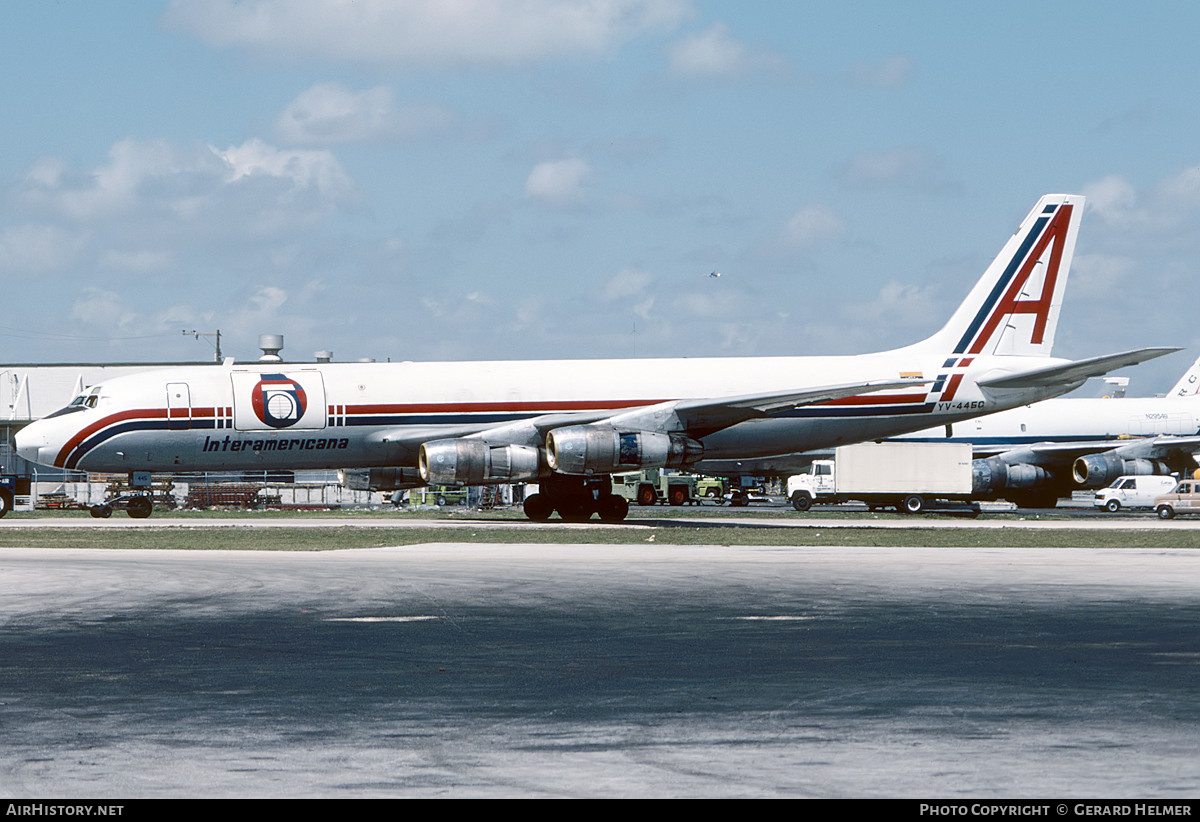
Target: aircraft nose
{"x": 29, "y": 442}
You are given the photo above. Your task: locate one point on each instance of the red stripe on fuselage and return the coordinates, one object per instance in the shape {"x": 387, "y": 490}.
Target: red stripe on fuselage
{"x": 888, "y": 399}
{"x": 484, "y": 407}
{"x": 123, "y": 416}
{"x": 85, "y": 432}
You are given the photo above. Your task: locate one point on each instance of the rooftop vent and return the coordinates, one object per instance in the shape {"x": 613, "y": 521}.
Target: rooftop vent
{"x": 271, "y": 345}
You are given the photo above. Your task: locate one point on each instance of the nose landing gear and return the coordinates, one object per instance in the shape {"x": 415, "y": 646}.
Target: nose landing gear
{"x": 137, "y": 502}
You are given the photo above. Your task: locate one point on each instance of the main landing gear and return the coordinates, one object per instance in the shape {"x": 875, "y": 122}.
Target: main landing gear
{"x": 576, "y": 499}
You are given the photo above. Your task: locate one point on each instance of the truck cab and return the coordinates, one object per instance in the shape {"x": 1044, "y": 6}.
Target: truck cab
{"x": 814, "y": 486}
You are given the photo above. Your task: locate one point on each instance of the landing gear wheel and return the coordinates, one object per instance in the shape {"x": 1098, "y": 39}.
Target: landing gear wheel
{"x": 139, "y": 507}
{"x": 614, "y": 509}
{"x": 914, "y": 504}
{"x": 1035, "y": 500}
{"x": 538, "y": 508}
{"x": 575, "y": 511}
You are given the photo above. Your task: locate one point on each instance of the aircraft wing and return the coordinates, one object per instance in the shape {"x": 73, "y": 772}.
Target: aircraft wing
{"x": 1077, "y": 371}
{"x": 699, "y": 417}
{"x": 695, "y": 417}
{"x": 1049, "y": 453}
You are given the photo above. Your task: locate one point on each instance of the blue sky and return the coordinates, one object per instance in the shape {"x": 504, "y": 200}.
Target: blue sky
{"x": 495, "y": 179}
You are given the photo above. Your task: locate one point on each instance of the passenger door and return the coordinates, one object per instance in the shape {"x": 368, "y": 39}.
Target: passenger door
{"x": 179, "y": 406}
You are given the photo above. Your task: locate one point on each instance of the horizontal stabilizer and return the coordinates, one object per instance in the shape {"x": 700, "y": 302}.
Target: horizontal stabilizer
{"x": 1074, "y": 372}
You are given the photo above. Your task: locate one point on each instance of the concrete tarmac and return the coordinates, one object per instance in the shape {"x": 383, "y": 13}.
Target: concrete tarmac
{"x": 644, "y": 670}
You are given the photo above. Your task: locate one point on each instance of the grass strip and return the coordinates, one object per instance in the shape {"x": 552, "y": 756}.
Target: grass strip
{"x": 348, "y": 537}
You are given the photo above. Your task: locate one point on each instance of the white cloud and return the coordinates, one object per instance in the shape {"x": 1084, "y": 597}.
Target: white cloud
{"x": 1100, "y": 276}
{"x": 331, "y": 113}
{"x": 425, "y": 32}
{"x": 156, "y": 188}
{"x": 715, "y": 53}
{"x": 558, "y": 183}
{"x": 37, "y": 249}
{"x": 268, "y": 299}
{"x": 899, "y": 306}
{"x": 301, "y": 169}
{"x": 628, "y": 282}
{"x": 142, "y": 261}
{"x": 1113, "y": 199}
{"x": 908, "y": 167}
{"x": 813, "y": 226}
{"x": 1167, "y": 208}
{"x": 96, "y": 308}
{"x": 890, "y": 73}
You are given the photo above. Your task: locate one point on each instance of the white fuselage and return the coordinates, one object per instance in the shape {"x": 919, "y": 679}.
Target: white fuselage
{"x": 301, "y": 416}
{"x": 1073, "y": 420}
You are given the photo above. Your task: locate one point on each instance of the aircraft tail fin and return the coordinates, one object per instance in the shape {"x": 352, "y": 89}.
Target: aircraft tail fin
{"x": 1189, "y": 383}
{"x": 1014, "y": 307}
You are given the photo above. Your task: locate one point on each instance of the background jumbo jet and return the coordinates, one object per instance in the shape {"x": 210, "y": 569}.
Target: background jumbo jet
{"x": 568, "y": 424}
{"x": 1035, "y": 454}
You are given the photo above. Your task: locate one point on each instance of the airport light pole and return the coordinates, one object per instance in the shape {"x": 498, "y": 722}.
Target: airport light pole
{"x": 199, "y": 334}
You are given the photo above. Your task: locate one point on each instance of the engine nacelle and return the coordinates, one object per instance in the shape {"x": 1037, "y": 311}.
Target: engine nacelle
{"x": 1098, "y": 470}
{"x": 475, "y": 462}
{"x": 994, "y": 475}
{"x": 602, "y": 449}
{"x": 379, "y": 479}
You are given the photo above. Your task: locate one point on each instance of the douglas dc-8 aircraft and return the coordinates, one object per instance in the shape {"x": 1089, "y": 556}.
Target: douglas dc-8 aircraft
{"x": 568, "y": 424}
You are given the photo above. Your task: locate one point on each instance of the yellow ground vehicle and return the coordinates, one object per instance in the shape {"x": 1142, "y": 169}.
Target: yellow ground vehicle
{"x": 439, "y": 495}
{"x": 657, "y": 485}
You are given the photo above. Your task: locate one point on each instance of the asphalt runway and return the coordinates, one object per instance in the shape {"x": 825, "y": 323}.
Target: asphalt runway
{"x": 639, "y": 670}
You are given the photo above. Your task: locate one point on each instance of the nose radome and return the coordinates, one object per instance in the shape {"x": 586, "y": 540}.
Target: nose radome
{"x": 29, "y": 443}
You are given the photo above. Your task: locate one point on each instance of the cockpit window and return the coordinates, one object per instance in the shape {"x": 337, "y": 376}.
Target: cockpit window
{"x": 80, "y": 403}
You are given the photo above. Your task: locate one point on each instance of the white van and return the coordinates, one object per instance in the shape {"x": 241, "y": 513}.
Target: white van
{"x": 1133, "y": 492}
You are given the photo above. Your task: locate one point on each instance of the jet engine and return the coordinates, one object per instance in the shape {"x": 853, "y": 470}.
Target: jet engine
{"x": 994, "y": 475}
{"x": 1098, "y": 470}
{"x": 601, "y": 449}
{"x": 475, "y": 462}
{"x": 379, "y": 479}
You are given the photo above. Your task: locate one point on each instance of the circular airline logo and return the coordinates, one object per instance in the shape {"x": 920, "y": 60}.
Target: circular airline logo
{"x": 278, "y": 401}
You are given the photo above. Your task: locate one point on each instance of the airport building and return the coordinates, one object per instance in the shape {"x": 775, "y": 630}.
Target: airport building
{"x": 30, "y": 391}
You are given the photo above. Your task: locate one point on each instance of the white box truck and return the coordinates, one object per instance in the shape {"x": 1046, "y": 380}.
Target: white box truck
{"x": 910, "y": 477}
